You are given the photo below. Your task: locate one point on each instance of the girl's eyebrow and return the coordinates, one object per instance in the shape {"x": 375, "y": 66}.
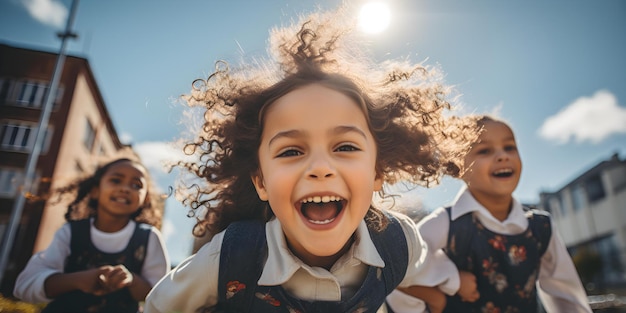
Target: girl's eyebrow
{"x": 337, "y": 130}
{"x": 117, "y": 174}
{"x": 284, "y": 134}
{"x": 348, "y": 129}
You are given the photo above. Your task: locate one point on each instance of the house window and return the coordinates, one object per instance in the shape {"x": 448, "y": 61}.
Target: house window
{"x": 20, "y": 136}
{"x": 10, "y": 179}
{"x": 30, "y": 94}
{"x": 556, "y": 205}
{"x": 612, "y": 268}
{"x": 579, "y": 200}
{"x": 5, "y": 86}
{"x": 90, "y": 135}
{"x": 595, "y": 188}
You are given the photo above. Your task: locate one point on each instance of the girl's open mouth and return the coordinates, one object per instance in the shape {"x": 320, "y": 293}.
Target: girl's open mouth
{"x": 502, "y": 173}
{"x": 321, "y": 210}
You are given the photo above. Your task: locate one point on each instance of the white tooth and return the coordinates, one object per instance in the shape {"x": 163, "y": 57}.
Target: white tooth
{"x": 318, "y": 199}
{"x": 322, "y": 222}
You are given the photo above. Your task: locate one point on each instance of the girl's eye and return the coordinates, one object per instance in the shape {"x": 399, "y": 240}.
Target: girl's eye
{"x": 115, "y": 180}
{"x": 136, "y": 186}
{"x": 510, "y": 148}
{"x": 289, "y": 153}
{"x": 347, "y": 148}
{"x": 482, "y": 151}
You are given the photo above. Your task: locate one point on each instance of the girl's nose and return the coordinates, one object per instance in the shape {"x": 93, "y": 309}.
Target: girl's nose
{"x": 502, "y": 156}
{"x": 320, "y": 167}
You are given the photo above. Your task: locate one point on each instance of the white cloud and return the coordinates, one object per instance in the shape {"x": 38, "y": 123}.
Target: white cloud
{"x": 156, "y": 154}
{"x": 586, "y": 119}
{"x": 48, "y": 12}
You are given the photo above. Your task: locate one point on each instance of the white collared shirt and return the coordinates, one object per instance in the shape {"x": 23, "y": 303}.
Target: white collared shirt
{"x": 194, "y": 283}
{"x": 29, "y": 285}
{"x": 558, "y": 284}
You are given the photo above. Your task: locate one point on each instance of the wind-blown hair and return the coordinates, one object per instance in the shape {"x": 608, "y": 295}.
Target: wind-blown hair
{"x": 483, "y": 119}
{"x": 83, "y": 206}
{"x": 404, "y": 106}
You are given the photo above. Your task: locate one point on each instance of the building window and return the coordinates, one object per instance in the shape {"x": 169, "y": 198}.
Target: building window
{"x": 595, "y": 188}
{"x": 5, "y": 86}
{"x": 556, "y": 205}
{"x": 10, "y": 179}
{"x": 20, "y": 136}
{"x": 618, "y": 176}
{"x": 579, "y": 200}
{"x": 30, "y": 94}
{"x": 607, "y": 266}
{"x": 90, "y": 135}
{"x": 612, "y": 267}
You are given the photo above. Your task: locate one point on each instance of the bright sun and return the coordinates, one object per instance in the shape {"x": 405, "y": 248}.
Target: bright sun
{"x": 374, "y": 17}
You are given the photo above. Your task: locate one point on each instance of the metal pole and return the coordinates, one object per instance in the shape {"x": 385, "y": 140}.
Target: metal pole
{"x": 33, "y": 157}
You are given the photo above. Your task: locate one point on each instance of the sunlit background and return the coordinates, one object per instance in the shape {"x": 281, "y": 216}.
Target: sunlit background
{"x": 374, "y": 17}
{"x": 555, "y": 69}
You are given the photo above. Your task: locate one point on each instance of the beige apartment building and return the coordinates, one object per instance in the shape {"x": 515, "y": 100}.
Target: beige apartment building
{"x": 80, "y": 134}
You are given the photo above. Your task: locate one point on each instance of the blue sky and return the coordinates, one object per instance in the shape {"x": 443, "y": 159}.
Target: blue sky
{"x": 555, "y": 69}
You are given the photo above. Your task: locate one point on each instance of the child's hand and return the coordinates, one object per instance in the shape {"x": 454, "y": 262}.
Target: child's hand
{"x": 436, "y": 302}
{"x": 434, "y": 298}
{"x": 90, "y": 281}
{"x": 468, "y": 290}
{"x": 115, "y": 277}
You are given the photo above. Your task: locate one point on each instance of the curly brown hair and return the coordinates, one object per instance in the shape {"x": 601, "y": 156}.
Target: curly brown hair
{"x": 404, "y": 104}
{"x": 83, "y": 206}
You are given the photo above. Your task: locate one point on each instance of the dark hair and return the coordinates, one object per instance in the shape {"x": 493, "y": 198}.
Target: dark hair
{"x": 481, "y": 120}
{"x": 403, "y": 104}
{"x": 83, "y": 206}
{"x": 485, "y": 118}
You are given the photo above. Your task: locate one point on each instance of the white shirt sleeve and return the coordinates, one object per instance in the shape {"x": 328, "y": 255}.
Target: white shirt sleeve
{"x": 191, "y": 285}
{"x": 559, "y": 286}
{"x": 400, "y": 302}
{"x": 428, "y": 264}
{"x": 29, "y": 285}
{"x": 436, "y": 269}
{"x": 441, "y": 271}
{"x": 157, "y": 262}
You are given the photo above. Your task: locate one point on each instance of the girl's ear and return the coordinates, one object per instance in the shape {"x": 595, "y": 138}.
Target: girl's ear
{"x": 93, "y": 198}
{"x": 378, "y": 183}
{"x": 94, "y": 193}
{"x": 147, "y": 201}
{"x": 257, "y": 180}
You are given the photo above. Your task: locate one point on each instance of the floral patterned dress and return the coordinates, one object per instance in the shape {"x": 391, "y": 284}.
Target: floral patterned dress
{"x": 506, "y": 266}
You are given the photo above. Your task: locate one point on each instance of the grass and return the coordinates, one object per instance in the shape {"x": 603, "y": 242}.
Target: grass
{"x": 8, "y": 305}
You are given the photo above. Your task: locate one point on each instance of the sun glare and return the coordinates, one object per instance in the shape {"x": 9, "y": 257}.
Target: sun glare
{"x": 374, "y": 17}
